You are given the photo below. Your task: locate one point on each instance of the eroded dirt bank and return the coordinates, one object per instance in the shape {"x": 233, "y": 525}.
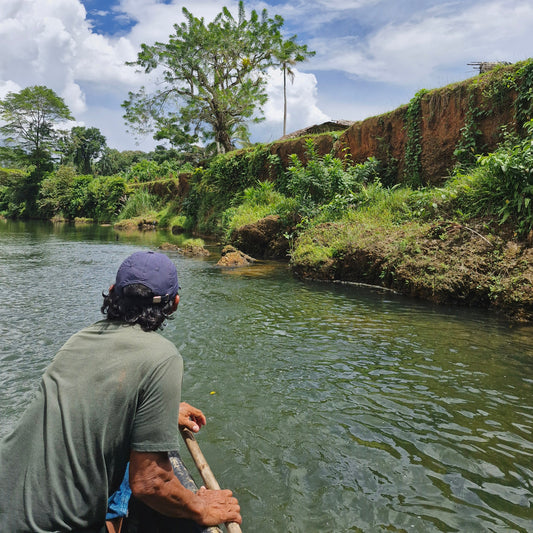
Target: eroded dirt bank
{"x": 445, "y": 263}
{"x": 442, "y": 262}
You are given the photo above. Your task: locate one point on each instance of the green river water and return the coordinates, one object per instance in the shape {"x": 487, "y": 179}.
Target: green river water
{"x": 331, "y": 408}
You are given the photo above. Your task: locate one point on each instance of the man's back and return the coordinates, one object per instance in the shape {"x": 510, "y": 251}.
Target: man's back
{"x": 110, "y": 389}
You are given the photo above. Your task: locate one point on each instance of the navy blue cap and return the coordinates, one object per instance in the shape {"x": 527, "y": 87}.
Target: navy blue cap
{"x": 154, "y": 270}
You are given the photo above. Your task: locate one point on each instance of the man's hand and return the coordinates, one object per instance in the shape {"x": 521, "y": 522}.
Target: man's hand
{"x": 152, "y": 481}
{"x": 219, "y": 506}
{"x": 190, "y": 417}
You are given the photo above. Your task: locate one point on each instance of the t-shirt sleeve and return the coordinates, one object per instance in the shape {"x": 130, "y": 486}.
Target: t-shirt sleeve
{"x": 155, "y": 428}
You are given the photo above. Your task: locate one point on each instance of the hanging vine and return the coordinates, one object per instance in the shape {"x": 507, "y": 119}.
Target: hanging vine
{"x": 524, "y": 99}
{"x": 467, "y": 147}
{"x": 413, "y": 149}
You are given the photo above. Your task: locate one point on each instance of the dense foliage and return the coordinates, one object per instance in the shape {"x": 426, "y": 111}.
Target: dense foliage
{"x": 221, "y": 185}
{"x": 31, "y": 137}
{"x": 213, "y": 78}
{"x": 82, "y": 147}
{"x": 31, "y": 118}
{"x": 65, "y": 194}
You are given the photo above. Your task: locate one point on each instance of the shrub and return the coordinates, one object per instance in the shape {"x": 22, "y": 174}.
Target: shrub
{"x": 12, "y": 189}
{"x": 79, "y": 198}
{"x": 258, "y": 202}
{"x": 324, "y": 178}
{"x": 147, "y": 170}
{"x": 139, "y": 203}
{"x": 55, "y": 193}
{"x": 507, "y": 181}
{"x": 221, "y": 185}
{"x": 105, "y": 196}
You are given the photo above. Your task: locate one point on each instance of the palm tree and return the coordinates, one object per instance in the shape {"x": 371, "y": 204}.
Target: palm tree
{"x": 287, "y": 56}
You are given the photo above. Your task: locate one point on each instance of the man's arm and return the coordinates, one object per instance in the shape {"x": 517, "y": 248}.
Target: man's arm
{"x": 152, "y": 481}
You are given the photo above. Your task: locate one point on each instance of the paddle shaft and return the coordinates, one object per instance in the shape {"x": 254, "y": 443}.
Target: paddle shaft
{"x": 205, "y": 471}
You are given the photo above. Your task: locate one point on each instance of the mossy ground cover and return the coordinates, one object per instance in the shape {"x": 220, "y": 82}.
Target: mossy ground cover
{"x": 443, "y": 262}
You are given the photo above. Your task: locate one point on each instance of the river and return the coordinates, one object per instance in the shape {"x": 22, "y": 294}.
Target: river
{"x": 331, "y": 408}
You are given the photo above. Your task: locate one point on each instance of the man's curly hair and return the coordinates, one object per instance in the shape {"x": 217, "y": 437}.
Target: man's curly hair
{"x": 135, "y": 306}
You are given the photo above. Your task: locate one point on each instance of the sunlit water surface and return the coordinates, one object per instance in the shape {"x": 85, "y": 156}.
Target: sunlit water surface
{"x": 330, "y": 408}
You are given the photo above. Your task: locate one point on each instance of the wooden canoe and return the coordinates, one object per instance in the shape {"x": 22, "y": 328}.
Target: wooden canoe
{"x": 143, "y": 519}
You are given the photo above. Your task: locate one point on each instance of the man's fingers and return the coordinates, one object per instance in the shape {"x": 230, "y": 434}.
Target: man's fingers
{"x": 191, "y": 417}
{"x": 220, "y": 506}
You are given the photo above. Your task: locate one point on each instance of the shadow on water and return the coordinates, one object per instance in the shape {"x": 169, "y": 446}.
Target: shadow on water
{"x": 330, "y": 407}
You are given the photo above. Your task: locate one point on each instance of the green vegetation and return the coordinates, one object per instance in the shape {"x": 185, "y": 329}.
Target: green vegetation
{"x": 140, "y": 203}
{"x": 413, "y": 149}
{"x": 64, "y": 194}
{"x": 148, "y": 170}
{"x": 464, "y": 240}
{"x": 31, "y": 136}
{"x": 221, "y": 184}
{"x": 81, "y": 147}
{"x": 213, "y": 79}
{"x": 257, "y": 203}
{"x": 30, "y": 129}
{"x": 323, "y": 179}
{"x": 459, "y": 243}
{"x": 468, "y": 145}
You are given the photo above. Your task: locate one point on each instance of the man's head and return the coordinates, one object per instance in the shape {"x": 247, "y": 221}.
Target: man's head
{"x": 153, "y": 270}
{"x": 145, "y": 291}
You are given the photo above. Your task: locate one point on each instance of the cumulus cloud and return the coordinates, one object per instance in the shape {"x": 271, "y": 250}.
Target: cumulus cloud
{"x": 432, "y": 43}
{"x": 73, "y": 94}
{"x": 302, "y": 107}
{"x": 8, "y": 87}
{"x": 50, "y": 43}
{"x": 419, "y": 43}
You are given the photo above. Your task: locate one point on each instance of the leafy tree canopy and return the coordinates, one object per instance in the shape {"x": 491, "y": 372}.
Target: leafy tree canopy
{"x": 82, "y": 146}
{"x": 213, "y": 79}
{"x": 112, "y": 161}
{"x": 31, "y": 118}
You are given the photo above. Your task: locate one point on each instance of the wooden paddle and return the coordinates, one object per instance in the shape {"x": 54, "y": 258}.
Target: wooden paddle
{"x": 205, "y": 471}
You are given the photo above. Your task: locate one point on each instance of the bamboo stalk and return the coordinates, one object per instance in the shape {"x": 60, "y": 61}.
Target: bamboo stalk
{"x": 205, "y": 471}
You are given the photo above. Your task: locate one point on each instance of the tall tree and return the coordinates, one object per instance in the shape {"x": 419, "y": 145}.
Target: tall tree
{"x": 83, "y": 145}
{"x": 213, "y": 77}
{"x": 31, "y": 118}
{"x": 288, "y": 54}
{"x": 30, "y": 132}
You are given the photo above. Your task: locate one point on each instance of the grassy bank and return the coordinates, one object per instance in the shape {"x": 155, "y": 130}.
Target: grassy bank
{"x": 467, "y": 242}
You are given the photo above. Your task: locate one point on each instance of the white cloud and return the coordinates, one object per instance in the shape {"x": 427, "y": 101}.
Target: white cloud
{"x": 73, "y": 94}
{"x": 8, "y": 87}
{"x": 431, "y": 44}
{"x": 50, "y": 43}
{"x": 302, "y": 107}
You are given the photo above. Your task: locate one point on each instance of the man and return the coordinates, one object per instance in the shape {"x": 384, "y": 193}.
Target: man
{"x": 111, "y": 395}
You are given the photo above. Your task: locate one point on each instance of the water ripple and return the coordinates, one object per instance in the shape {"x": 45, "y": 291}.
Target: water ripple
{"x": 335, "y": 409}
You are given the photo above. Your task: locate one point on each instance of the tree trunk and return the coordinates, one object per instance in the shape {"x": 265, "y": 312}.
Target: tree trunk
{"x": 284, "y": 100}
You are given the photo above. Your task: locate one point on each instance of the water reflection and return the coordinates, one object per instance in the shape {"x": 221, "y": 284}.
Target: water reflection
{"x": 336, "y": 408}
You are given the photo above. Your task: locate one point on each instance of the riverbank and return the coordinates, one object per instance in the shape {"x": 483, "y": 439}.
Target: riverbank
{"x": 477, "y": 264}
{"x": 441, "y": 262}
{"x": 433, "y": 200}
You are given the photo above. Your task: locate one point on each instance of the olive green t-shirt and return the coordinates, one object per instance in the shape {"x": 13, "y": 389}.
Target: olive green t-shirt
{"x": 112, "y": 388}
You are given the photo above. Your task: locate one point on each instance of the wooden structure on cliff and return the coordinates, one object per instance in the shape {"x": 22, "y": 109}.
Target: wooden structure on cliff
{"x": 486, "y": 66}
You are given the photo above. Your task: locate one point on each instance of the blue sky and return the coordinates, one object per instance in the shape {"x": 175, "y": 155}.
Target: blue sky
{"x": 372, "y": 55}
